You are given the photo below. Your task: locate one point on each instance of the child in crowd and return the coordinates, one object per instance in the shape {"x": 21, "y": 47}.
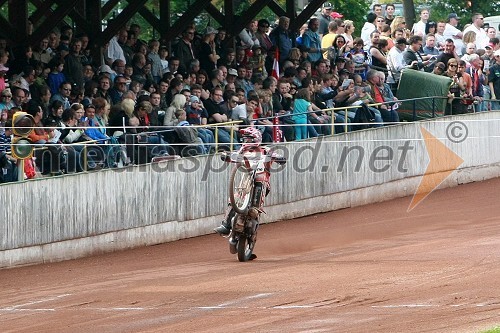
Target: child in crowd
{"x": 56, "y": 75}
{"x": 188, "y": 134}
{"x": 301, "y": 107}
{"x": 155, "y": 60}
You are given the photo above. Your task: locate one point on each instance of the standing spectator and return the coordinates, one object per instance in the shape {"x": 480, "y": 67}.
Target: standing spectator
{"x": 430, "y": 45}
{"x": 41, "y": 53}
{"x": 184, "y": 48}
{"x": 325, "y": 18}
{"x": 395, "y": 61}
{"x": 312, "y": 40}
{"x": 482, "y": 38}
{"x": 439, "y": 35}
{"x": 73, "y": 68}
{"x": 348, "y": 31}
{"x": 389, "y": 13}
{"x": 164, "y": 60}
{"x": 154, "y": 58}
{"x": 412, "y": 55}
{"x": 247, "y": 35}
{"x": 478, "y": 80}
{"x": 56, "y": 75}
{"x": 494, "y": 82}
{"x": 448, "y": 52}
{"x": 451, "y": 31}
{"x": 129, "y": 47}
{"x": 207, "y": 55}
{"x": 419, "y": 27}
{"x": 301, "y": 107}
{"x": 378, "y": 52}
{"x": 283, "y": 38}
{"x": 114, "y": 50}
{"x": 367, "y": 29}
{"x": 377, "y": 9}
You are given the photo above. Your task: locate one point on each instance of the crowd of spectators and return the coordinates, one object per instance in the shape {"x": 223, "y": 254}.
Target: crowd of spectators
{"x": 167, "y": 101}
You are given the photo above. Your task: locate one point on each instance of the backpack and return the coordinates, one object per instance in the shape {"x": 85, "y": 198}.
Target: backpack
{"x": 364, "y": 117}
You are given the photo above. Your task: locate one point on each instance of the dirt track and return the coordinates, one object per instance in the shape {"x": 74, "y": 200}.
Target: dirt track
{"x": 374, "y": 268}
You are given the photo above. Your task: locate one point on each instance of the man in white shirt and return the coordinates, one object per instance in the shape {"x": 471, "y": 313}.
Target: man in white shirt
{"x": 395, "y": 61}
{"x": 451, "y": 31}
{"x": 419, "y": 27}
{"x": 482, "y": 38}
{"x": 367, "y": 30}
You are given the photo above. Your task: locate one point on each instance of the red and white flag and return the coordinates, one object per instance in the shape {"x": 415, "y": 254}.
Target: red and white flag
{"x": 276, "y": 65}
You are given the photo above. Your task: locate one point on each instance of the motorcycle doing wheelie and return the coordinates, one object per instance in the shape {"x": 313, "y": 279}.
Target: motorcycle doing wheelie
{"x": 248, "y": 187}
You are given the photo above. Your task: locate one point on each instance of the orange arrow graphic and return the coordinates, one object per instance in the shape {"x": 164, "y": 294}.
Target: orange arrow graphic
{"x": 442, "y": 162}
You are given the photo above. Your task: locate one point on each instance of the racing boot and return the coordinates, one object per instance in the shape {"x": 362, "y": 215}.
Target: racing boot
{"x": 224, "y": 228}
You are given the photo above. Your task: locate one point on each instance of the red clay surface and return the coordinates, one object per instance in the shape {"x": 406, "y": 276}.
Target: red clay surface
{"x": 374, "y": 268}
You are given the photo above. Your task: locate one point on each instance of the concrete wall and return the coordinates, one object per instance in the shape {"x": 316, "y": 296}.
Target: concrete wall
{"x": 72, "y": 216}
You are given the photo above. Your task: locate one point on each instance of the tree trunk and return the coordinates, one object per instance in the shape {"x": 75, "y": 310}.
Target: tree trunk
{"x": 409, "y": 13}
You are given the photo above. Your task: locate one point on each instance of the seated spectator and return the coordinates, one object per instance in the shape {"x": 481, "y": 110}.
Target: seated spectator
{"x": 188, "y": 134}
{"x": 156, "y": 144}
{"x": 178, "y": 102}
{"x": 198, "y": 116}
{"x": 8, "y": 164}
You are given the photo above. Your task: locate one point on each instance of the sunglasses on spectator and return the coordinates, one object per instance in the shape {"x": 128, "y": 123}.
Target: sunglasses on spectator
{"x": 235, "y": 100}
{"x": 452, "y": 65}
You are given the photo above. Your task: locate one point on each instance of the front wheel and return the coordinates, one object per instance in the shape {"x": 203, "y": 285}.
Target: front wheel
{"x": 241, "y": 185}
{"x": 245, "y": 248}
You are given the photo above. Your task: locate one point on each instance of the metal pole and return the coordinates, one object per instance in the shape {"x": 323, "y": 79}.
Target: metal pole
{"x": 20, "y": 170}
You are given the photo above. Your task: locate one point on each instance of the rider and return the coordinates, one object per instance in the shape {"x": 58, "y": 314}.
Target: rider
{"x": 252, "y": 138}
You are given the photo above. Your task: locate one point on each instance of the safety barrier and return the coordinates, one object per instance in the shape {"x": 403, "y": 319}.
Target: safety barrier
{"x": 66, "y": 217}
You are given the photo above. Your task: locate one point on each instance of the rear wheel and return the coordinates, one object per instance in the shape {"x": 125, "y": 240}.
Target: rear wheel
{"x": 241, "y": 188}
{"x": 245, "y": 248}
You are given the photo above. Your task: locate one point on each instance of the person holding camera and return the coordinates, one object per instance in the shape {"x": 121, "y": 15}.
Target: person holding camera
{"x": 412, "y": 56}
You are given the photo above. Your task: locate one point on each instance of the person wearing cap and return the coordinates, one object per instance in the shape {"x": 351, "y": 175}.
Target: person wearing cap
{"x": 451, "y": 31}
{"x": 207, "y": 53}
{"x": 395, "y": 61}
{"x": 197, "y": 115}
{"x": 482, "y": 38}
{"x": 325, "y": 18}
{"x": 439, "y": 68}
{"x": 494, "y": 82}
